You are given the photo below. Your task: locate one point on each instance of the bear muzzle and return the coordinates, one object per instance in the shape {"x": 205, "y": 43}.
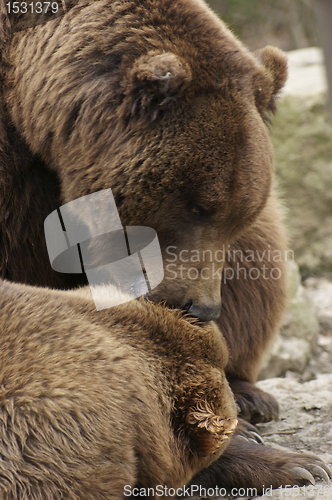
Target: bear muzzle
{"x": 204, "y": 312}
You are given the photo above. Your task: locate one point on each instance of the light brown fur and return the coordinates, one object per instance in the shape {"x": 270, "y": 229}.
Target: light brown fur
{"x": 93, "y": 401}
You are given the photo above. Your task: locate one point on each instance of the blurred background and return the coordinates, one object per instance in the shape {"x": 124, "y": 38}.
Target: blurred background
{"x": 288, "y": 24}
{"x": 301, "y": 130}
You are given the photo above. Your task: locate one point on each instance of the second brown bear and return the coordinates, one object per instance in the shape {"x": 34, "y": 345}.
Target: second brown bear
{"x": 95, "y": 404}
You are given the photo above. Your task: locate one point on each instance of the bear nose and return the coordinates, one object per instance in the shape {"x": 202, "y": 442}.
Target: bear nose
{"x": 205, "y": 312}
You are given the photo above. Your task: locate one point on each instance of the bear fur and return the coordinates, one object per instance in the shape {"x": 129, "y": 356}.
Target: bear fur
{"x": 101, "y": 404}
{"x": 94, "y": 401}
{"x": 158, "y": 101}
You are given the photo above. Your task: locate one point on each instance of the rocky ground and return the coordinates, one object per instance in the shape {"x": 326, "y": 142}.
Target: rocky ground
{"x": 305, "y": 424}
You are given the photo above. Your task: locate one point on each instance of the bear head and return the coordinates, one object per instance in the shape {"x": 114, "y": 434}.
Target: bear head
{"x": 158, "y": 101}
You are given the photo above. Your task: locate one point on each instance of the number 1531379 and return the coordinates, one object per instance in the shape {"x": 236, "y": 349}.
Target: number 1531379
{"x": 32, "y": 7}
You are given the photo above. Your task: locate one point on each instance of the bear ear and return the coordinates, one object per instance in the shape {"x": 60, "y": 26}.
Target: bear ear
{"x": 155, "y": 82}
{"x": 275, "y": 64}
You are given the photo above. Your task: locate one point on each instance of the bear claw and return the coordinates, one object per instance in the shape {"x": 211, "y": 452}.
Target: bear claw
{"x": 248, "y": 432}
{"x": 322, "y": 472}
{"x": 301, "y": 473}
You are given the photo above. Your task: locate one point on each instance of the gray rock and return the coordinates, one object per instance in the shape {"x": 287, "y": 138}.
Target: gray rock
{"x": 286, "y": 354}
{"x": 300, "y": 319}
{"x": 320, "y": 292}
{"x": 304, "y": 425}
{"x": 325, "y": 319}
{"x": 297, "y": 341}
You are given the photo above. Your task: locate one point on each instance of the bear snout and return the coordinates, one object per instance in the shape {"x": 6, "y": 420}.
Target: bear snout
{"x": 204, "y": 312}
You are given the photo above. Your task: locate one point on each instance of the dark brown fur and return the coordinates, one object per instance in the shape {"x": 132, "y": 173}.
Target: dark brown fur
{"x": 191, "y": 159}
{"x": 158, "y": 101}
{"x": 93, "y": 401}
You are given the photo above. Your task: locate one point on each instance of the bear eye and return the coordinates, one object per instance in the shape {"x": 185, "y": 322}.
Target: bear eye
{"x": 199, "y": 212}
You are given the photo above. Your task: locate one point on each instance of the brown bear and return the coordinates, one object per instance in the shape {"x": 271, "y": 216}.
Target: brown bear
{"x": 96, "y": 403}
{"x": 158, "y": 101}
